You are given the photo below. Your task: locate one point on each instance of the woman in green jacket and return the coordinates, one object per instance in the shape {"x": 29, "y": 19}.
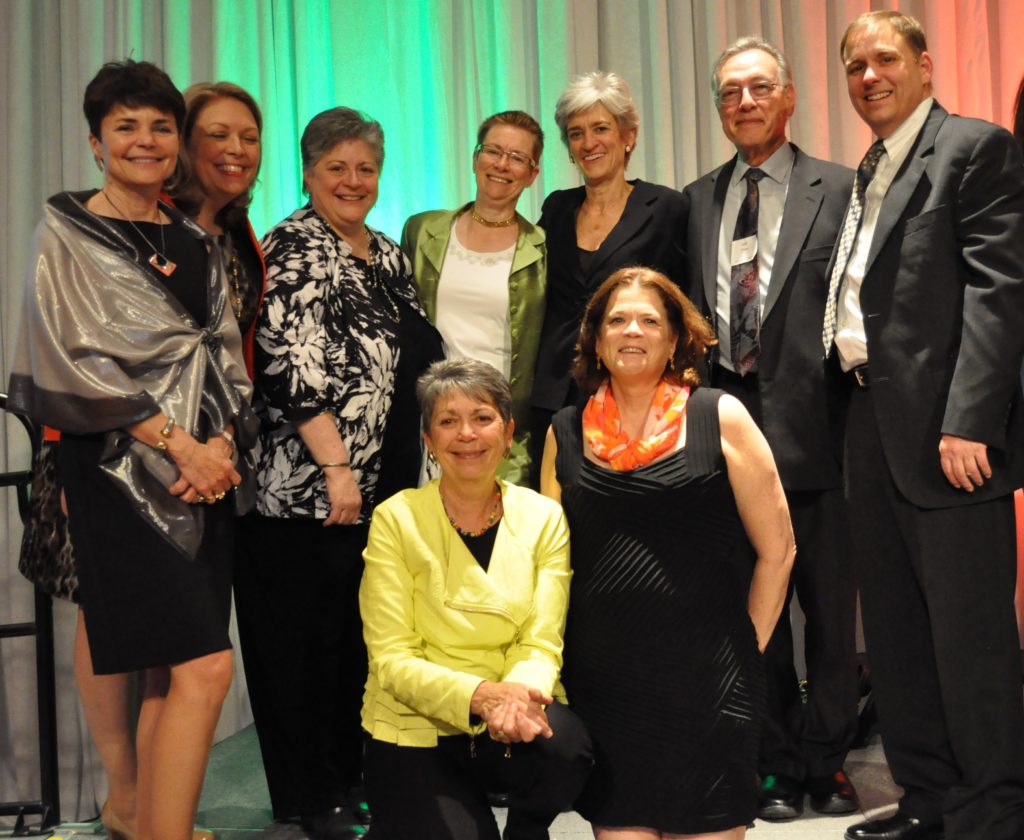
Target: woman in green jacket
{"x": 483, "y": 287}
{"x": 463, "y": 599}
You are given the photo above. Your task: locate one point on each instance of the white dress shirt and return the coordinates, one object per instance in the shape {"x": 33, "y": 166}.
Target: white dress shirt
{"x": 771, "y": 202}
{"x": 851, "y": 340}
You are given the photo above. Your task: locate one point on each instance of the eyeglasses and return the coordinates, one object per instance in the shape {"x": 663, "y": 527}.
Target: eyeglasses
{"x": 494, "y": 154}
{"x": 758, "y": 90}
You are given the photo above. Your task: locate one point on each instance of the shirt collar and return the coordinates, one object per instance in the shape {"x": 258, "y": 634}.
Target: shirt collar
{"x": 777, "y": 167}
{"x": 899, "y": 142}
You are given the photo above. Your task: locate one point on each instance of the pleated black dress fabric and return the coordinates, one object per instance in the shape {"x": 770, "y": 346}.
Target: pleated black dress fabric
{"x": 661, "y": 659}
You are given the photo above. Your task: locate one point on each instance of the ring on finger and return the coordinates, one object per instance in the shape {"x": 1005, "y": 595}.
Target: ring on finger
{"x": 200, "y": 497}
{"x": 220, "y": 495}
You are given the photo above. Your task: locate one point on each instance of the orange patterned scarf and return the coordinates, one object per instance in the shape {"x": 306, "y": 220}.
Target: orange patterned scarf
{"x": 602, "y": 427}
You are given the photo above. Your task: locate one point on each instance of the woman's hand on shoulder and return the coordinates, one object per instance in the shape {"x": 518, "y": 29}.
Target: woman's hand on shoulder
{"x": 513, "y": 712}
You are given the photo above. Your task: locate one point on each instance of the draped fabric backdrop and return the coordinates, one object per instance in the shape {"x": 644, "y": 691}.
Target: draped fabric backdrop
{"x": 429, "y": 71}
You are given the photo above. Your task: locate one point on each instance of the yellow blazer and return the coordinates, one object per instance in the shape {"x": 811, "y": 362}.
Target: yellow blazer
{"x": 436, "y": 624}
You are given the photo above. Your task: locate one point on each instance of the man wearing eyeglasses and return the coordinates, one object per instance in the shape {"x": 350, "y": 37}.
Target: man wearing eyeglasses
{"x": 760, "y": 230}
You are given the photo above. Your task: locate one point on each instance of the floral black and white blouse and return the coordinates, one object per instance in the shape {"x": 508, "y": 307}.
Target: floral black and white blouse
{"x": 326, "y": 341}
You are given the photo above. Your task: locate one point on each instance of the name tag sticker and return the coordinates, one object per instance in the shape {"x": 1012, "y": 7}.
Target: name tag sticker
{"x": 744, "y": 250}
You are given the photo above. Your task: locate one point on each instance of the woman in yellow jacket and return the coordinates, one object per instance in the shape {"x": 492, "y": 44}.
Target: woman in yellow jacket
{"x": 463, "y": 600}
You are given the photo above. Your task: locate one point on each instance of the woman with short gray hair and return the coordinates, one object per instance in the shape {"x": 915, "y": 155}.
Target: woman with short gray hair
{"x": 464, "y": 600}
{"x": 340, "y": 343}
{"x": 592, "y": 230}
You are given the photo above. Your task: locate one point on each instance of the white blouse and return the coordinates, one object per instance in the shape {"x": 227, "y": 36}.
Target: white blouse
{"x": 472, "y": 304}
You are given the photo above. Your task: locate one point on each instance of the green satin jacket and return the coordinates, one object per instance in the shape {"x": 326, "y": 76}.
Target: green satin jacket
{"x": 425, "y": 242}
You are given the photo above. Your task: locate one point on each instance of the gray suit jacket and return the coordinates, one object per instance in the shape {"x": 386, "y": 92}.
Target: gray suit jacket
{"x": 798, "y": 410}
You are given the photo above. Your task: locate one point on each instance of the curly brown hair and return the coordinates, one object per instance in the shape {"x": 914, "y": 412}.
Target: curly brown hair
{"x": 693, "y": 333}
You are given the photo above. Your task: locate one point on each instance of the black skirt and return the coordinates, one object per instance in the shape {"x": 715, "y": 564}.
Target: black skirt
{"x": 145, "y": 603}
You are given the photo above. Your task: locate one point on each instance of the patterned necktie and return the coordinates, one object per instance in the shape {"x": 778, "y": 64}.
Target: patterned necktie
{"x": 744, "y": 295}
{"x": 847, "y": 239}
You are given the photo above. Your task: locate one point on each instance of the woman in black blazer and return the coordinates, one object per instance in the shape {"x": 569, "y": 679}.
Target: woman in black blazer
{"x": 595, "y": 229}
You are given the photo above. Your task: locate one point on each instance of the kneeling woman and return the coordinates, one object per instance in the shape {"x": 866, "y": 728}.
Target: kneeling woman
{"x": 463, "y": 601}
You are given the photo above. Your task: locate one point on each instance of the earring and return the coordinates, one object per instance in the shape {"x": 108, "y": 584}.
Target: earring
{"x": 508, "y": 451}
{"x": 572, "y": 160}
{"x": 431, "y": 456}
{"x": 671, "y": 363}
{"x": 99, "y": 163}
{"x": 598, "y": 362}
{"x": 628, "y": 149}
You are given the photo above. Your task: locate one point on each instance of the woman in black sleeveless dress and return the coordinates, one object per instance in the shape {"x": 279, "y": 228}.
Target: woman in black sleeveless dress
{"x": 663, "y": 484}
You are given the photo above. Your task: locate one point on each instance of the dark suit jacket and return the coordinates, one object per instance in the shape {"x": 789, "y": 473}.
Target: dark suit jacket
{"x": 943, "y": 304}
{"x": 797, "y": 410}
{"x": 649, "y": 233}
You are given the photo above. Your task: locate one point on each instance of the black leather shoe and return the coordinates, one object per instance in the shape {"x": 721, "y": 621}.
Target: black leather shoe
{"x": 833, "y": 794}
{"x": 896, "y": 827}
{"x": 498, "y": 799}
{"x": 333, "y": 824}
{"x": 780, "y": 798}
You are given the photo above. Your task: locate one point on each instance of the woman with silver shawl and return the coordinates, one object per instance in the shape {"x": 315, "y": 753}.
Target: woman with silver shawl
{"x": 129, "y": 348}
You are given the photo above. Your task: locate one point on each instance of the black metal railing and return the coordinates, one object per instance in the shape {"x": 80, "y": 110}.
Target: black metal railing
{"x": 48, "y": 804}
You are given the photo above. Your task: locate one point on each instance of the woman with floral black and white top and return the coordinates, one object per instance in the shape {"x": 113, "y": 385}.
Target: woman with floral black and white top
{"x": 340, "y": 342}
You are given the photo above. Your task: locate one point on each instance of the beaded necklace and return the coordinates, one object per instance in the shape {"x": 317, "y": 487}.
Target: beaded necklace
{"x": 492, "y": 517}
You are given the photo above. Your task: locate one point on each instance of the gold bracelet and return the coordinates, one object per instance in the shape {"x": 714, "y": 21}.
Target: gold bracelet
{"x": 165, "y": 434}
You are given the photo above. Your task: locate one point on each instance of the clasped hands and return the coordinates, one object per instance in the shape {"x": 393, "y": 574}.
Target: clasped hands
{"x": 513, "y": 712}
{"x": 207, "y": 473}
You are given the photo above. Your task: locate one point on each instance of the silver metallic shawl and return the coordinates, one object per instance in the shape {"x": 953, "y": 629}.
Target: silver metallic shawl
{"x": 104, "y": 345}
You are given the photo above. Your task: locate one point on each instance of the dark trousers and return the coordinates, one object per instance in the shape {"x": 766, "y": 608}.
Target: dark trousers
{"x": 296, "y": 598}
{"x": 809, "y": 740}
{"x": 441, "y": 792}
{"x": 937, "y": 591}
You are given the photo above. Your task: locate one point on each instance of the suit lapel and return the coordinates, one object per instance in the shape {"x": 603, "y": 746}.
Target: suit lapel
{"x": 637, "y": 213}
{"x": 905, "y": 183}
{"x": 438, "y": 230}
{"x": 803, "y": 199}
{"x": 709, "y": 247}
{"x": 564, "y": 230}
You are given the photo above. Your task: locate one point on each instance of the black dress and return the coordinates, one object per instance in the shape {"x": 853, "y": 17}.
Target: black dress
{"x": 144, "y": 604}
{"x": 661, "y": 658}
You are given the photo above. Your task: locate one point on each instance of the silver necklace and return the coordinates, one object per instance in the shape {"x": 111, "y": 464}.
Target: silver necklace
{"x": 157, "y": 260}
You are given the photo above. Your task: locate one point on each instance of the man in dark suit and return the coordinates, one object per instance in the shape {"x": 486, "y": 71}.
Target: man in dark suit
{"x": 926, "y": 321}
{"x": 769, "y": 357}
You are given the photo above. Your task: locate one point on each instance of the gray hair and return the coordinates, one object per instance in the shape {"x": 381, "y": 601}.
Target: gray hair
{"x": 477, "y": 380}
{"x": 336, "y": 125}
{"x": 750, "y": 42}
{"x": 597, "y": 88}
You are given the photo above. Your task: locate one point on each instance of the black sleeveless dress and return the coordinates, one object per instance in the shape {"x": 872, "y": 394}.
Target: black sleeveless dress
{"x": 661, "y": 659}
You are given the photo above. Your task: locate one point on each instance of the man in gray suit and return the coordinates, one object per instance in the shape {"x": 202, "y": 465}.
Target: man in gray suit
{"x": 925, "y": 321}
{"x": 759, "y": 232}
